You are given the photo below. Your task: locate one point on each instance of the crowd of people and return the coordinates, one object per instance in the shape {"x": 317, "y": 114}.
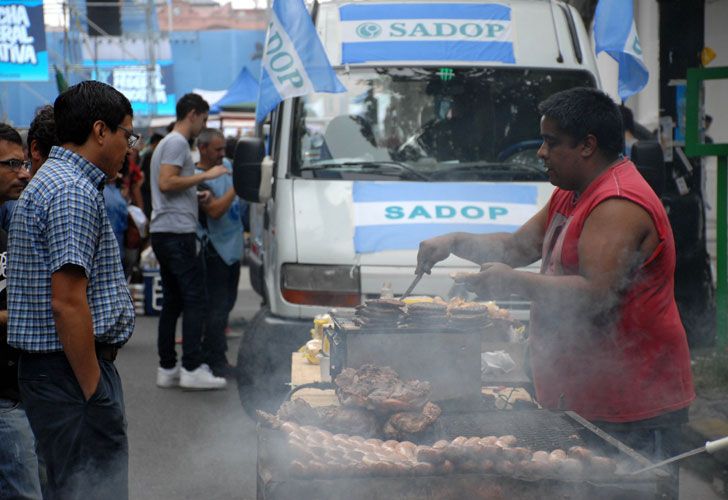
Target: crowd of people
{"x": 70, "y": 242}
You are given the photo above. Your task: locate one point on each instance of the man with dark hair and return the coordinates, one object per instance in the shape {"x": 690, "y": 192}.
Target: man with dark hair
{"x": 173, "y": 233}
{"x": 70, "y": 309}
{"x": 221, "y": 231}
{"x": 41, "y": 137}
{"x": 18, "y": 462}
{"x": 606, "y": 338}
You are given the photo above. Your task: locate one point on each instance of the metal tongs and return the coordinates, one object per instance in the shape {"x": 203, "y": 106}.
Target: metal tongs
{"x": 412, "y": 286}
{"x": 710, "y": 447}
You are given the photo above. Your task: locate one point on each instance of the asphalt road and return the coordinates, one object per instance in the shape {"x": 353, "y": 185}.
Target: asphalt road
{"x": 202, "y": 445}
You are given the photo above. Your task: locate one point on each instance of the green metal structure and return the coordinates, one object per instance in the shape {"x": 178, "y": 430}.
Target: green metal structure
{"x": 695, "y": 148}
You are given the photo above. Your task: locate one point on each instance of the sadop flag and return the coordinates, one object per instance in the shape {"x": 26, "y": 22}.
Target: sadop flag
{"x": 294, "y": 62}
{"x": 616, "y": 34}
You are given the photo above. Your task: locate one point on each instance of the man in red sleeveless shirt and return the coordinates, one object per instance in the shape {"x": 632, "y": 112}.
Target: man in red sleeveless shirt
{"x": 606, "y": 338}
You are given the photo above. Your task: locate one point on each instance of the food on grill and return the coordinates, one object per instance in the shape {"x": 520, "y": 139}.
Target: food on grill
{"x": 468, "y": 315}
{"x": 426, "y": 315}
{"x": 316, "y": 453}
{"x": 336, "y": 419}
{"x": 380, "y": 313}
{"x": 403, "y": 423}
{"x": 380, "y": 389}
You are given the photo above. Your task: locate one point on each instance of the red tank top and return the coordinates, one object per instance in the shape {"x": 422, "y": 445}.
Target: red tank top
{"x": 633, "y": 363}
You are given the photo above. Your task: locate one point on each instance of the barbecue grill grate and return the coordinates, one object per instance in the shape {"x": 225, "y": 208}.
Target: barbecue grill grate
{"x": 535, "y": 429}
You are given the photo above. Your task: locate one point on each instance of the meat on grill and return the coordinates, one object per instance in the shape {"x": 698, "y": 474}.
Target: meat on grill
{"x": 318, "y": 453}
{"x": 336, "y": 419}
{"x": 404, "y": 423}
{"x": 380, "y": 389}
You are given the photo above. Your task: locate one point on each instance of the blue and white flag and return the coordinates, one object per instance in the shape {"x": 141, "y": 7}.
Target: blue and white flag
{"x": 294, "y": 62}
{"x": 398, "y": 216}
{"x": 426, "y": 32}
{"x": 616, "y": 34}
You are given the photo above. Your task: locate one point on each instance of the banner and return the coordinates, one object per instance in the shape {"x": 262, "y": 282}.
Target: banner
{"x": 616, "y": 34}
{"x": 426, "y": 32}
{"x": 23, "y": 53}
{"x": 398, "y": 216}
{"x": 294, "y": 61}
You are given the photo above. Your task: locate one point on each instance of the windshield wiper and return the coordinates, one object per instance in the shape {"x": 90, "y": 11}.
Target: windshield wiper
{"x": 369, "y": 165}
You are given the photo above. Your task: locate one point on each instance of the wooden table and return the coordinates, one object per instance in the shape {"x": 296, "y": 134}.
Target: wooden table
{"x": 303, "y": 372}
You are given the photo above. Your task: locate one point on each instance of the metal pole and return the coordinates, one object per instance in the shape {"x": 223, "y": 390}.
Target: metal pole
{"x": 722, "y": 253}
{"x": 151, "y": 63}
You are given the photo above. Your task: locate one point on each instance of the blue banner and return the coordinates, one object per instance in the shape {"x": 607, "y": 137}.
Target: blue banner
{"x": 426, "y": 32}
{"x": 398, "y": 216}
{"x": 23, "y": 52}
{"x": 130, "y": 78}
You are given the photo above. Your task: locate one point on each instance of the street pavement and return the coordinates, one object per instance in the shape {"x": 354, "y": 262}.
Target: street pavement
{"x": 202, "y": 445}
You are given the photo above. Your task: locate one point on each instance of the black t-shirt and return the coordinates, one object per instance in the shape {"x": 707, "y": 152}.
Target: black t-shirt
{"x": 8, "y": 355}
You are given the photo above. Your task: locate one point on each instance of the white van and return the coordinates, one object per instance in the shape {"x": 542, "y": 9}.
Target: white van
{"x": 437, "y": 132}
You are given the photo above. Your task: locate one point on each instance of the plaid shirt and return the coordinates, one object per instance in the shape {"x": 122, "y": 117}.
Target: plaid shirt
{"x": 61, "y": 219}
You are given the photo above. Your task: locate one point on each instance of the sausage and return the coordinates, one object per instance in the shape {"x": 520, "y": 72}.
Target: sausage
{"x": 426, "y": 454}
{"x": 506, "y": 441}
{"x": 298, "y": 468}
{"x": 289, "y": 427}
{"x": 571, "y": 467}
{"x": 516, "y": 454}
{"x": 580, "y": 453}
{"x": 491, "y": 451}
{"x": 423, "y": 469}
{"x": 540, "y": 456}
{"x": 603, "y": 465}
{"x": 505, "y": 467}
{"x": 488, "y": 440}
{"x": 441, "y": 444}
{"x": 460, "y": 440}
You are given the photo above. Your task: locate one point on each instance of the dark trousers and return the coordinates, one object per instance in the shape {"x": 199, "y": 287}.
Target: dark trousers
{"x": 183, "y": 293}
{"x": 83, "y": 443}
{"x": 221, "y": 283}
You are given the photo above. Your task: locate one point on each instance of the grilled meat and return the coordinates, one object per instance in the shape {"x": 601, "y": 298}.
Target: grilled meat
{"x": 336, "y": 419}
{"x": 380, "y": 389}
{"x": 403, "y": 423}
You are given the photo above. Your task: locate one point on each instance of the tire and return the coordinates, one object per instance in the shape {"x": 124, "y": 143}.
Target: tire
{"x": 264, "y": 363}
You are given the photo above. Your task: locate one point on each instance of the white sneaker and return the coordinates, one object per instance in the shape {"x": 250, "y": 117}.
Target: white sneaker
{"x": 168, "y": 377}
{"x": 201, "y": 378}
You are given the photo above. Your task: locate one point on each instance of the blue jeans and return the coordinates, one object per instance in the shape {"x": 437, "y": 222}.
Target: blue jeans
{"x": 183, "y": 292}
{"x": 221, "y": 283}
{"x": 83, "y": 443}
{"x": 18, "y": 463}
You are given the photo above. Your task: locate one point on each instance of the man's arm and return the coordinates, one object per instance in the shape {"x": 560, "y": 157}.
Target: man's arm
{"x": 170, "y": 179}
{"x": 618, "y": 236}
{"x": 74, "y": 325}
{"x": 216, "y": 207}
{"x": 517, "y": 249}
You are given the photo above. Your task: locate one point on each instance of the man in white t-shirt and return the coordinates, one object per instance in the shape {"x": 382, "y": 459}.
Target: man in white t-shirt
{"x": 173, "y": 229}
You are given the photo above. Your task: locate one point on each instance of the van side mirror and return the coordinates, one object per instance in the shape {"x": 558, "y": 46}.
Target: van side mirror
{"x": 648, "y": 158}
{"x": 249, "y": 154}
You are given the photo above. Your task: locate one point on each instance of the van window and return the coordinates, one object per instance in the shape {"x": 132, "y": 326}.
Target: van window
{"x": 428, "y": 124}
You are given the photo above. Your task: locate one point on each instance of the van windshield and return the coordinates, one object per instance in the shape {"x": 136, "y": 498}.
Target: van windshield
{"x": 428, "y": 124}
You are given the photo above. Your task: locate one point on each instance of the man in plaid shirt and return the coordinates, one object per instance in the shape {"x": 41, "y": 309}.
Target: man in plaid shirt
{"x": 69, "y": 306}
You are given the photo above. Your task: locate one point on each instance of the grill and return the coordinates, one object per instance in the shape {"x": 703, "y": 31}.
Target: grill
{"x": 536, "y": 429}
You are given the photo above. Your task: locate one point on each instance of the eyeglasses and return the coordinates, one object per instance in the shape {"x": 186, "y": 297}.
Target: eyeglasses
{"x": 131, "y": 138}
{"x": 16, "y": 165}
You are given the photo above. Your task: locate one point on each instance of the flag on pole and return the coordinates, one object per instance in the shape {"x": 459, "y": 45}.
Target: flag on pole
{"x": 294, "y": 62}
{"x": 615, "y": 33}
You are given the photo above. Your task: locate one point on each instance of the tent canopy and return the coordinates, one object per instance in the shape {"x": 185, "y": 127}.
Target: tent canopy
{"x": 241, "y": 95}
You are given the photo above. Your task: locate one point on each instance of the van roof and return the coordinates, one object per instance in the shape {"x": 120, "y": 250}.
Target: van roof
{"x": 541, "y": 34}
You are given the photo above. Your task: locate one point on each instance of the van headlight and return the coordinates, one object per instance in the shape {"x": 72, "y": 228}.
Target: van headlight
{"x": 320, "y": 285}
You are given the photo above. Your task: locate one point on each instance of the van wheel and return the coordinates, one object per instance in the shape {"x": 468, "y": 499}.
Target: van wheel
{"x": 264, "y": 364}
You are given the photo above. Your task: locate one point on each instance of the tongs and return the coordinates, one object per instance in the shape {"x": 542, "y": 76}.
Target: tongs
{"x": 710, "y": 447}
{"x": 412, "y": 286}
